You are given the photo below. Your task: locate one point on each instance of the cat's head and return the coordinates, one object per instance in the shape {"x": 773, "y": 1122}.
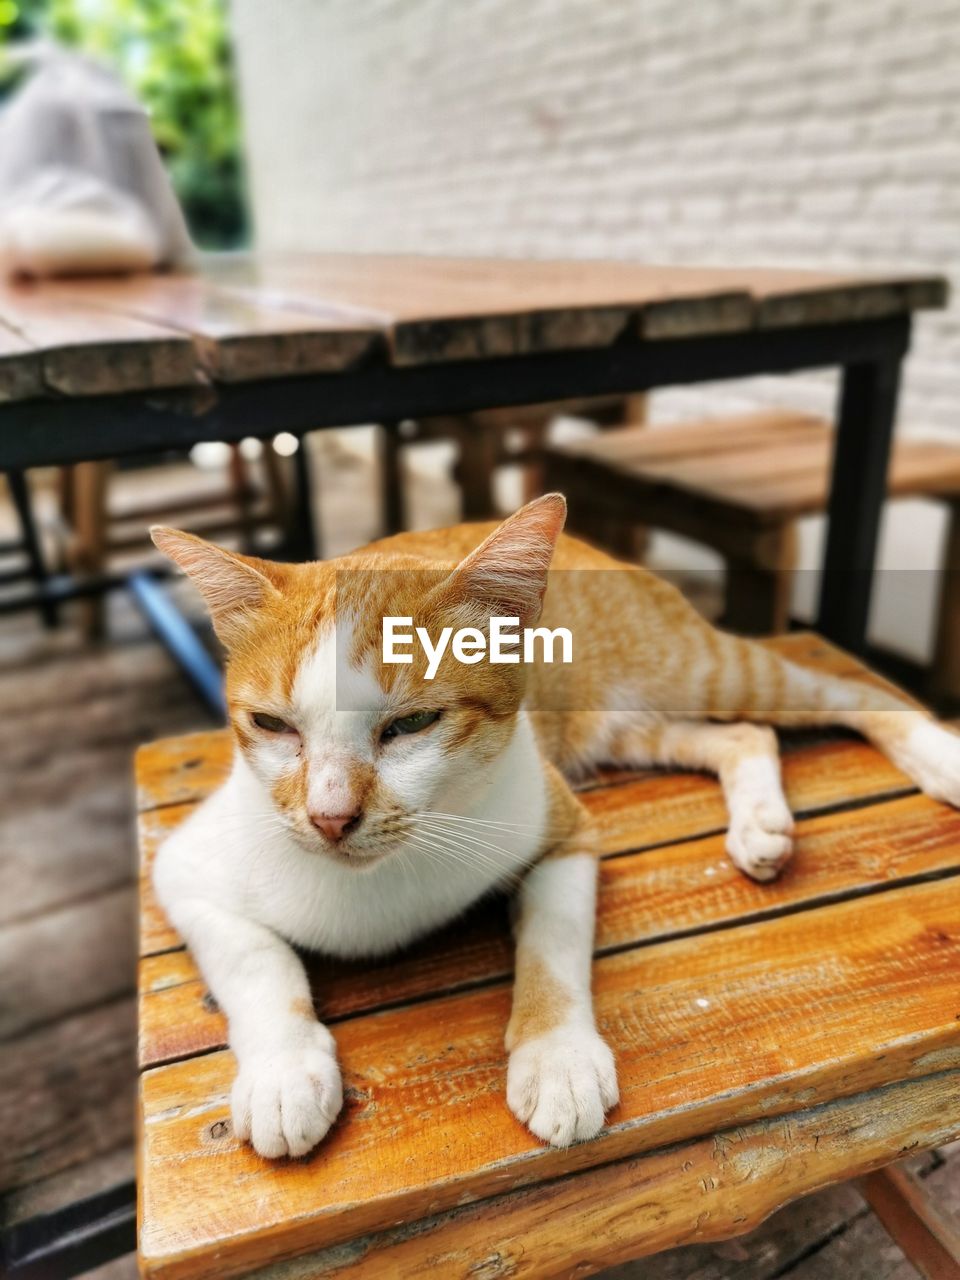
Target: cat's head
{"x": 351, "y": 749}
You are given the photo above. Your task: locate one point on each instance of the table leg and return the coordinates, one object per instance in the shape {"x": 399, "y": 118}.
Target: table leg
{"x": 868, "y": 403}
{"x": 303, "y": 541}
{"x": 393, "y": 515}
{"x": 914, "y": 1220}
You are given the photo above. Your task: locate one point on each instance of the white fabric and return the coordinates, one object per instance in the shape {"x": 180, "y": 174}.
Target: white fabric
{"x": 82, "y": 185}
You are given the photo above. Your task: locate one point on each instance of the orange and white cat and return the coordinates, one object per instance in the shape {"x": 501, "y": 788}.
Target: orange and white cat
{"x": 367, "y": 806}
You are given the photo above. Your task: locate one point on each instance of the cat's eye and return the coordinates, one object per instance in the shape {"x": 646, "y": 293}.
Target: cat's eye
{"x": 272, "y": 724}
{"x": 412, "y": 723}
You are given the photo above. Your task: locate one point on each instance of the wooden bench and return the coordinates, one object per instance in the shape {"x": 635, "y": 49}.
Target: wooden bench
{"x": 739, "y": 485}
{"x": 771, "y": 1039}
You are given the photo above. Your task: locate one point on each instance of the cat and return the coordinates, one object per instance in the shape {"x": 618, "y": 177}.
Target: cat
{"x": 366, "y": 807}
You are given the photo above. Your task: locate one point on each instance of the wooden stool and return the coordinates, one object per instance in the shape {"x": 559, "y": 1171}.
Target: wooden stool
{"x": 95, "y": 529}
{"x": 738, "y": 485}
{"x": 492, "y": 438}
{"x": 771, "y": 1040}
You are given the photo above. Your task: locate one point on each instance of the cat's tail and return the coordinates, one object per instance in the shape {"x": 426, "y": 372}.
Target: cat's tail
{"x": 751, "y": 681}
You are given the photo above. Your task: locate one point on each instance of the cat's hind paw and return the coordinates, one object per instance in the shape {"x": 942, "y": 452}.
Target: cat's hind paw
{"x": 759, "y": 838}
{"x": 285, "y": 1100}
{"x": 561, "y": 1085}
{"x": 930, "y": 754}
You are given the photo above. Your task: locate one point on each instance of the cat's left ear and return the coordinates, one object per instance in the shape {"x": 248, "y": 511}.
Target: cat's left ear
{"x": 233, "y": 586}
{"x": 507, "y": 573}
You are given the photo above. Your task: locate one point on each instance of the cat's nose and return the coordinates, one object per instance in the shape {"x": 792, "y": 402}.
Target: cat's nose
{"x": 336, "y": 825}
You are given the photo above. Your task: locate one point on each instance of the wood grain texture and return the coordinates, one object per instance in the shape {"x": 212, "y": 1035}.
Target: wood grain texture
{"x": 86, "y": 351}
{"x": 178, "y": 770}
{"x": 79, "y": 956}
{"x": 247, "y": 318}
{"x": 237, "y": 336}
{"x": 455, "y": 309}
{"x": 78, "y": 1182}
{"x": 644, "y": 898}
{"x": 710, "y": 1032}
{"x": 771, "y": 466}
{"x": 20, "y": 376}
{"x": 67, "y": 1093}
{"x": 695, "y": 1193}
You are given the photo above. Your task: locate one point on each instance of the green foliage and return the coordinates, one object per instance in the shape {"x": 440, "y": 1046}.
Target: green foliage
{"x": 175, "y": 56}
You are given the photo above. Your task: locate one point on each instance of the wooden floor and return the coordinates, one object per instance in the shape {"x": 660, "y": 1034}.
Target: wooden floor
{"x": 70, "y": 716}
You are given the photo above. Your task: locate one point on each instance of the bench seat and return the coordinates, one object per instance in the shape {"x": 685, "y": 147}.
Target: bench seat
{"x": 738, "y": 485}
{"x": 771, "y": 1039}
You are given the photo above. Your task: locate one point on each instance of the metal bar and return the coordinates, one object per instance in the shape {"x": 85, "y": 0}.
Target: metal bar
{"x": 75, "y": 1239}
{"x": 868, "y": 403}
{"x": 46, "y": 432}
{"x": 63, "y": 588}
{"x": 20, "y": 493}
{"x": 177, "y": 636}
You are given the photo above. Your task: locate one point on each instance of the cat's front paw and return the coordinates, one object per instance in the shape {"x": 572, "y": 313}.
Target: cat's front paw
{"x": 561, "y": 1084}
{"x": 285, "y": 1099}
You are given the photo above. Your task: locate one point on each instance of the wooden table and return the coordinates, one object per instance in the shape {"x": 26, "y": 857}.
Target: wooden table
{"x": 254, "y": 346}
{"x": 771, "y": 1039}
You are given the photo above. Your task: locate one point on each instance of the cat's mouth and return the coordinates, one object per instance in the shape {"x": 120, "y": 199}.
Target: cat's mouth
{"x": 359, "y": 860}
{"x": 363, "y": 850}
{"x": 344, "y": 852}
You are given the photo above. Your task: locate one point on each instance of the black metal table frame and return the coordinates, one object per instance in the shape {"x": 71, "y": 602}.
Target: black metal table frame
{"x": 869, "y": 352}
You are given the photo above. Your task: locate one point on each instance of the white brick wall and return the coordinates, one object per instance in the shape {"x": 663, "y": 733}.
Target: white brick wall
{"x": 823, "y": 133}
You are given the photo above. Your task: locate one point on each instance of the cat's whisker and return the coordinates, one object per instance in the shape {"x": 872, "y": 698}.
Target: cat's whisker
{"x": 467, "y": 858}
{"x": 486, "y": 822}
{"x": 462, "y": 837}
{"x": 497, "y": 827}
{"x": 473, "y": 849}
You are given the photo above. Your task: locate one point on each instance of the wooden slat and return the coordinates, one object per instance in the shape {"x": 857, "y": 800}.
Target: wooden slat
{"x": 644, "y": 898}
{"x": 60, "y": 961}
{"x": 458, "y": 309}
{"x": 288, "y": 314}
{"x": 710, "y": 1032}
{"x": 238, "y": 338}
{"x": 78, "y": 1182}
{"x": 729, "y": 473}
{"x": 834, "y": 300}
{"x": 67, "y": 1093}
{"x": 86, "y": 351}
{"x": 713, "y": 436}
{"x": 178, "y": 770}
{"x": 770, "y": 466}
{"x": 800, "y": 486}
{"x": 699, "y": 1192}
{"x": 454, "y": 309}
{"x": 20, "y": 376}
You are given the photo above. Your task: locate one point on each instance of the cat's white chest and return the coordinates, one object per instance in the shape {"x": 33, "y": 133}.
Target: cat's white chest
{"x": 248, "y": 867}
{"x": 345, "y": 913}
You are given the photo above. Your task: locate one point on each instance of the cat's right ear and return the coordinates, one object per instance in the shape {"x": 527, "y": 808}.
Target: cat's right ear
{"x": 234, "y": 587}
